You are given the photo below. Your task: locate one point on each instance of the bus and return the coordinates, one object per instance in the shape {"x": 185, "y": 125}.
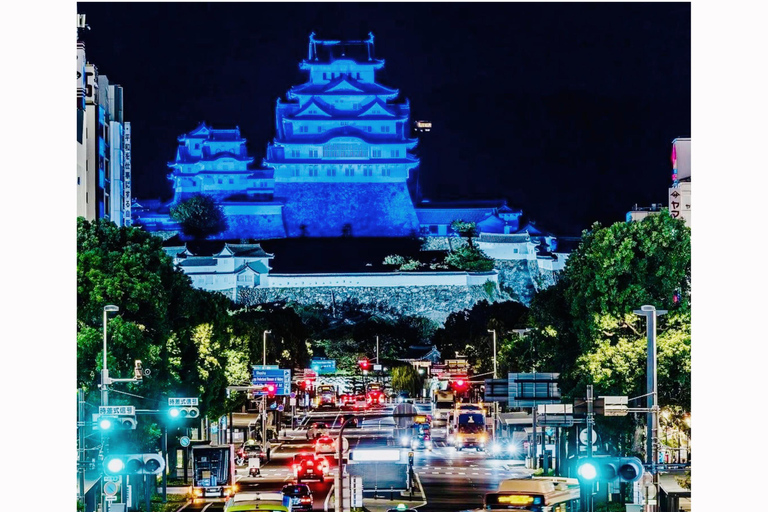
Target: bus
{"x": 536, "y": 494}
{"x": 326, "y": 395}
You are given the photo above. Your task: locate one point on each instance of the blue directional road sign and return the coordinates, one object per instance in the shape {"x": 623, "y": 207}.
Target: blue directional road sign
{"x": 269, "y": 375}
{"x": 323, "y": 366}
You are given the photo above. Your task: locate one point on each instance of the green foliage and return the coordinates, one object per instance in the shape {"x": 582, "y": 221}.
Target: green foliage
{"x": 467, "y": 230}
{"x": 466, "y": 332}
{"x": 394, "y": 259}
{"x": 470, "y": 259}
{"x": 162, "y": 321}
{"x": 199, "y": 216}
{"x": 407, "y": 378}
{"x": 411, "y": 264}
{"x": 617, "y": 269}
{"x": 490, "y": 288}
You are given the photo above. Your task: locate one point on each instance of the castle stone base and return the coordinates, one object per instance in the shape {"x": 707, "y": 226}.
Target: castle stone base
{"x": 356, "y": 209}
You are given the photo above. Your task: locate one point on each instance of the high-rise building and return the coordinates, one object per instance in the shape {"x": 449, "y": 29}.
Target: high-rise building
{"x": 103, "y": 186}
{"x": 680, "y": 191}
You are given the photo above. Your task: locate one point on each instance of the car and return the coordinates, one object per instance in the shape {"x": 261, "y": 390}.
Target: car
{"x": 421, "y": 441}
{"x": 300, "y": 496}
{"x": 316, "y": 430}
{"x": 325, "y": 446}
{"x": 308, "y": 466}
{"x": 402, "y": 396}
{"x": 504, "y": 448}
{"x": 250, "y": 501}
{"x": 248, "y": 450}
{"x": 360, "y": 402}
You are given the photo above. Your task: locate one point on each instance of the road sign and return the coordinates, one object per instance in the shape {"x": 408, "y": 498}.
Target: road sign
{"x": 111, "y": 488}
{"x": 265, "y": 367}
{"x": 184, "y": 441}
{"x": 323, "y": 366}
{"x": 117, "y": 410}
{"x": 583, "y": 436}
{"x": 377, "y": 367}
{"x": 532, "y": 389}
{"x": 281, "y": 378}
{"x": 110, "y": 497}
{"x": 181, "y": 402}
{"x": 108, "y": 478}
{"x": 292, "y": 402}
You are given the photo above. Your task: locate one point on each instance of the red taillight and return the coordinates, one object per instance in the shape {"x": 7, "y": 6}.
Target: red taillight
{"x": 310, "y": 463}
{"x": 305, "y": 500}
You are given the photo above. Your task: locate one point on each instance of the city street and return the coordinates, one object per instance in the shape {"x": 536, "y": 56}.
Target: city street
{"x": 450, "y": 480}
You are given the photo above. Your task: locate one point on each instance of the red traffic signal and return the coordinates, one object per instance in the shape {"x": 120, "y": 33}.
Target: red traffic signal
{"x": 364, "y": 364}
{"x": 460, "y": 384}
{"x": 271, "y": 389}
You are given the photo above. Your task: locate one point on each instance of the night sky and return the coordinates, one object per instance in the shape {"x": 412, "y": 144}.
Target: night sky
{"x": 567, "y": 111}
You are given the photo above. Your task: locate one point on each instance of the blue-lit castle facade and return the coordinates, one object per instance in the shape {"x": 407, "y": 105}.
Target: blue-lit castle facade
{"x": 342, "y": 155}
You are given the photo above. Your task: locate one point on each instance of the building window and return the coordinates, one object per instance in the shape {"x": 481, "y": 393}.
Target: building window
{"x": 375, "y": 153}
{"x": 344, "y": 123}
{"x": 294, "y": 171}
{"x": 358, "y": 76}
{"x": 514, "y": 251}
{"x": 231, "y": 181}
{"x": 345, "y": 150}
{"x": 325, "y": 76}
{"x": 349, "y": 171}
{"x": 394, "y": 153}
{"x": 331, "y": 171}
{"x": 313, "y": 170}
{"x": 197, "y": 146}
{"x": 355, "y": 106}
{"x": 313, "y": 153}
{"x": 385, "y": 128}
{"x": 295, "y": 153}
{"x": 385, "y": 171}
{"x": 433, "y": 229}
{"x": 319, "y": 129}
{"x": 367, "y": 171}
{"x": 304, "y": 129}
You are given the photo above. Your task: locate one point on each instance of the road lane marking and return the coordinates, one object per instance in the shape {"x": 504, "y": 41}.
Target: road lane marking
{"x": 206, "y": 507}
{"x": 327, "y": 498}
{"x": 423, "y": 494}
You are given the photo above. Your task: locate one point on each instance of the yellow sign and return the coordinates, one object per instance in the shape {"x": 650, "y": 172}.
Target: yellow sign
{"x": 516, "y": 499}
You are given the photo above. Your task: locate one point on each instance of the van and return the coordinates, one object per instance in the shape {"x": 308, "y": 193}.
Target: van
{"x": 261, "y": 501}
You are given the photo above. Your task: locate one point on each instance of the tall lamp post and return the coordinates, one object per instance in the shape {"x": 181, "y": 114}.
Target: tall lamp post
{"x": 104, "y": 383}
{"x": 104, "y": 371}
{"x": 650, "y": 313}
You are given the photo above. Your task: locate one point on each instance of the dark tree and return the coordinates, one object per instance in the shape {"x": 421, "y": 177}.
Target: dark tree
{"x": 199, "y": 216}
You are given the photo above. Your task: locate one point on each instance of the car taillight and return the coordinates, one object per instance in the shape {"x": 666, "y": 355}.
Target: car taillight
{"x": 305, "y": 500}
{"x": 310, "y": 463}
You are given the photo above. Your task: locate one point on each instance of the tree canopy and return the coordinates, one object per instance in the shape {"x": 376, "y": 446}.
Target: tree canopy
{"x": 199, "y": 216}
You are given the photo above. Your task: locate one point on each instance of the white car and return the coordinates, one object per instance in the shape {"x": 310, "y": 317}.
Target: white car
{"x": 325, "y": 446}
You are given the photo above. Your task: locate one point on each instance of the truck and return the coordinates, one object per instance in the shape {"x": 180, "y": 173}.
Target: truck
{"x": 442, "y": 405}
{"x": 470, "y": 430}
{"x": 404, "y": 415}
{"x": 213, "y": 471}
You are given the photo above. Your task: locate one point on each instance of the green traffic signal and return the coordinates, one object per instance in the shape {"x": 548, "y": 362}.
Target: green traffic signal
{"x": 105, "y": 423}
{"x": 610, "y": 469}
{"x": 138, "y": 463}
{"x": 182, "y": 413}
{"x": 587, "y": 471}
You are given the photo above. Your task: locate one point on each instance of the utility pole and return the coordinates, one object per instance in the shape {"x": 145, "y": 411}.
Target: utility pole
{"x": 105, "y": 397}
{"x": 652, "y": 425}
{"x": 263, "y": 400}
{"x": 590, "y": 425}
{"x": 377, "y": 350}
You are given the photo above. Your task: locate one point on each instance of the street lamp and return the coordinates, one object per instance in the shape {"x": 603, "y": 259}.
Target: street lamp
{"x": 104, "y": 371}
{"x": 264, "y": 351}
{"x": 494, "y": 351}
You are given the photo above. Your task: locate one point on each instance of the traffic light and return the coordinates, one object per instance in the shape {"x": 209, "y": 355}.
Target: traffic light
{"x": 114, "y": 423}
{"x": 271, "y": 390}
{"x": 134, "y": 464}
{"x": 460, "y": 385}
{"x": 182, "y": 413}
{"x": 610, "y": 469}
{"x": 364, "y": 364}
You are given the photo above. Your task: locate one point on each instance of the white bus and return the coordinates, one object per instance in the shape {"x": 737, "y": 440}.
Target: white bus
{"x": 537, "y": 494}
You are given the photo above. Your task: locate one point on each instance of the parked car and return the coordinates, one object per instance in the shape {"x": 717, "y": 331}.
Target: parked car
{"x": 316, "y": 430}
{"x": 300, "y": 496}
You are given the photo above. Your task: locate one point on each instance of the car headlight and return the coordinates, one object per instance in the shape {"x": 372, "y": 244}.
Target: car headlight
{"x": 512, "y": 448}
{"x": 495, "y": 448}
{"x": 404, "y": 440}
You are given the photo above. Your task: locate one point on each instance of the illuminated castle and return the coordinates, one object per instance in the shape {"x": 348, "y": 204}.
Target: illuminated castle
{"x": 342, "y": 152}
